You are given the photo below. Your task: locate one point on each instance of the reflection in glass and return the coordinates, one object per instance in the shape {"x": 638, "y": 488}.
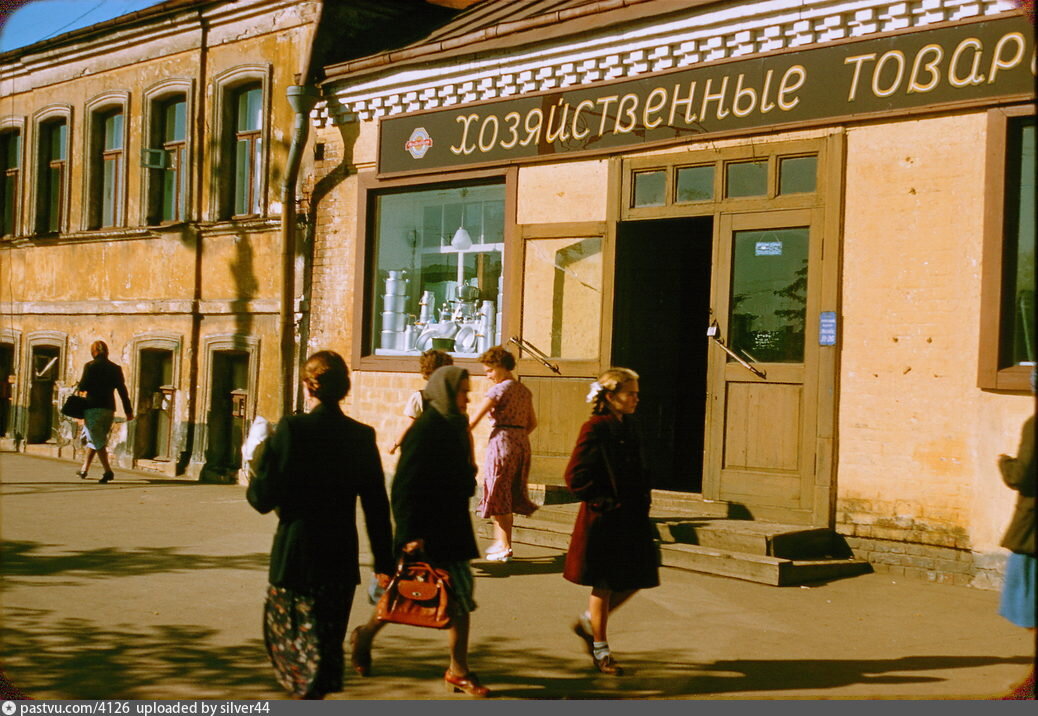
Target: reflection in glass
{"x": 769, "y": 295}
{"x": 1018, "y": 292}
{"x": 650, "y": 188}
{"x": 696, "y": 183}
{"x": 747, "y": 179}
{"x": 427, "y": 293}
{"x": 797, "y": 175}
{"x": 562, "y": 297}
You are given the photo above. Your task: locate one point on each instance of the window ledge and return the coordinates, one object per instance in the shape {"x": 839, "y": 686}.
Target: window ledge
{"x": 1016, "y": 379}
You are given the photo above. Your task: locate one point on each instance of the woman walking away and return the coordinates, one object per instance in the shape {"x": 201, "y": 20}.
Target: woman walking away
{"x": 434, "y": 481}
{"x": 312, "y": 471}
{"x": 507, "y": 467}
{"x": 101, "y": 378}
{"x": 428, "y": 362}
{"x": 612, "y": 549}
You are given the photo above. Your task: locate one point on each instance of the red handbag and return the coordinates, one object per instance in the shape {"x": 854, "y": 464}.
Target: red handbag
{"x": 419, "y": 594}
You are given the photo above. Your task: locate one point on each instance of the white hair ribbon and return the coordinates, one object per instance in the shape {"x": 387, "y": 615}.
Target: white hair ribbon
{"x": 596, "y": 390}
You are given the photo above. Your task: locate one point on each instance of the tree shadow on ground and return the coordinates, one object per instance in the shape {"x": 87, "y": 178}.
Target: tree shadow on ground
{"x": 35, "y": 559}
{"x": 76, "y": 658}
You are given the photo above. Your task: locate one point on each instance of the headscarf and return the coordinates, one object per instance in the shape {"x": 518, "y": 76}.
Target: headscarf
{"x": 441, "y": 392}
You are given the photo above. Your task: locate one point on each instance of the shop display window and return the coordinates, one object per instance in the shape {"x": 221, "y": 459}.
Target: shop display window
{"x": 562, "y": 297}
{"x": 798, "y": 175}
{"x": 438, "y": 260}
{"x": 747, "y": 179}
{"x": 650, "y": 188}
{"x": 1018, "y": 324}
{"x": 695, "y": 183}
{"x": 769, "y": 295}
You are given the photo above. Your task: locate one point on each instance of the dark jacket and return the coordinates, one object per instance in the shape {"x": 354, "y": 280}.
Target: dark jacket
{"x": 312, "y": 471}
{"x": 613, "y": 543}
{"x": 101, "y": 378}
{"x": 435, "y": 478}
{"x": 1019, "y": 473}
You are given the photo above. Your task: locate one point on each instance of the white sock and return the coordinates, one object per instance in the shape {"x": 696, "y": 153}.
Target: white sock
{"x": 585, "y": 622}
{"x": 600, "y": 649}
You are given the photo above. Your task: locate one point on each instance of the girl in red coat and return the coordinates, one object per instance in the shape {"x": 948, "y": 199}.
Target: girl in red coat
{"x": 613, "y": 548}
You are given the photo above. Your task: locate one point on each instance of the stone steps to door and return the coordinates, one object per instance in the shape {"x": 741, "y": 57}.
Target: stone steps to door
{"x": 763, "y": 552}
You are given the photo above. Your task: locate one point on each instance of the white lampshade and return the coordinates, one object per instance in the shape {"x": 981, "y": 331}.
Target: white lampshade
{"x": 461, "y": 241}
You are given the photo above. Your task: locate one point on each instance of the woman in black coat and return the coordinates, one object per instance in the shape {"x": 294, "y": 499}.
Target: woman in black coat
{"x": 312, "y": 471}
{"x": 434, "y": 482}
{"x": 100, "y": 381}
{"x": 613, "y": 549}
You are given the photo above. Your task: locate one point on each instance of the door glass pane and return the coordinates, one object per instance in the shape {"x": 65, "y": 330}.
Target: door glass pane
{"x": 747, "y": 179}
{"x": 769, "y": 295}
{"x": 438, "y": 259}
{"x": 562, "y": 297}
{"x": 696, "y": 183}
{"x": 797, "y": 175}
{"x": 650, "y": 188}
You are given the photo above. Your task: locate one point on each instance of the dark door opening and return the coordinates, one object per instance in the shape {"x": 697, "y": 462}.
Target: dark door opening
{"x": 154, "y": 408}
{"x": 660, "y": 315}
{"x": 6, "y": 386}
{"x": 42, "y": 413}
{"x": 226, "y": 419}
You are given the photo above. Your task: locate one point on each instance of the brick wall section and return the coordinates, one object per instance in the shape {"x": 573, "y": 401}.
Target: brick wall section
{"x": 941, "y": 565}
{"x": 918, "y": 439}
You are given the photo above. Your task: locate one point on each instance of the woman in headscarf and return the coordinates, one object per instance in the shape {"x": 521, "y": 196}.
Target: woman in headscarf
{"x": 312, "y": 471}
{"x": 434, "y": 481}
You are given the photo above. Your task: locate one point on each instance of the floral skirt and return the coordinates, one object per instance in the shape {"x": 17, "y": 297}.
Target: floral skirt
{"x": 304, "y": 635}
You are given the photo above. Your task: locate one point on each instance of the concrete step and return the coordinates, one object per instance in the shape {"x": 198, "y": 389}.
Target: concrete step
{"x": 552, "y": 526}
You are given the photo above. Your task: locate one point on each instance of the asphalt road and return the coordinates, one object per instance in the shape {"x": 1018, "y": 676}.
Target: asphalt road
{"x": 151, "y": 588}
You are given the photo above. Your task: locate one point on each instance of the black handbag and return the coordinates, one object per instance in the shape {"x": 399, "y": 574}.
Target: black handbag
{"x": 75, "y": 406}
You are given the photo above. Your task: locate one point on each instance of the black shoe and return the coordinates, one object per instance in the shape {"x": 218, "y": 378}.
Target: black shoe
{"x": 107, "y": 477}
{"x": 82, "y": 474}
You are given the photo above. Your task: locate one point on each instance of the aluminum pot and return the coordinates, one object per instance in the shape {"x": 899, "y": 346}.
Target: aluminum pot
{"x": 395, "y": 303}
{"x": 396, "y": 286}
{"x": 392, "y": 321}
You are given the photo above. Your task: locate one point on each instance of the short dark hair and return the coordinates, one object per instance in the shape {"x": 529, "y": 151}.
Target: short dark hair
{"x": 498, "y": 356}
{"x": 432, "y": 359}
{"x": 326, "y": 376}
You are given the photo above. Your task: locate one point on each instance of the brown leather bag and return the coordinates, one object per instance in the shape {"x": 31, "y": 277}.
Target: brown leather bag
{"x": 419, "y": 594}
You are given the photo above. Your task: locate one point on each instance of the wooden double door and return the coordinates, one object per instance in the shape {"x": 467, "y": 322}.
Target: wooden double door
{"x": 729, "y": 312}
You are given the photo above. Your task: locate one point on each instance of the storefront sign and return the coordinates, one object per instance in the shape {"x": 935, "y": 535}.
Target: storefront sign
{"x": 953, "y": 64}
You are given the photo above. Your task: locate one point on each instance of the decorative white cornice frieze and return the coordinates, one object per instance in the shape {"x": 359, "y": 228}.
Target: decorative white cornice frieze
{"x": 708, "y": 34}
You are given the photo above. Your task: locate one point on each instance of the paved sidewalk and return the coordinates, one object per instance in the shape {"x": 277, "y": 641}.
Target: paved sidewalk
{"x": 151, "y": 588}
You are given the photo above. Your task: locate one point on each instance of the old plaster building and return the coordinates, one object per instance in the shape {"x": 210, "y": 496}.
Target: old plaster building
{"x": 808, "y": 225}
{"x": 149, "y": 200}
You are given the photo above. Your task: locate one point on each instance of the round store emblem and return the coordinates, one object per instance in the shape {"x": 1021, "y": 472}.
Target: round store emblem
{"x": 9, "y": 707}
{"x": 419, "y": 143}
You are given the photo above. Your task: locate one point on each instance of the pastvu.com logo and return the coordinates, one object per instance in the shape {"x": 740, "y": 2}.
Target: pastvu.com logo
{"x": 9, "y": 708}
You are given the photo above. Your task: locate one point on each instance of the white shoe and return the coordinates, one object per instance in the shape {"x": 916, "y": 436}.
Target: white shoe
{"x": 494, "y": 548}
{"x": 504, "y": 555}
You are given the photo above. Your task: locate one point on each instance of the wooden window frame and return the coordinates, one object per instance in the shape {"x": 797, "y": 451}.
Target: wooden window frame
{"x": 990, "y": 375}
{"x": 156, "y": 98}
{"x": 226, "y": 86}
{"x": 12, "y": 127}
{"x": 43, "y": 124}
{"x": 98, "y": 110}
{"x": 369, "y": 186}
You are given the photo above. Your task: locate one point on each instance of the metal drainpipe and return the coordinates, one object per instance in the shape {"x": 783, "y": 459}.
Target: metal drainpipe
{"x": 302, "y": 98}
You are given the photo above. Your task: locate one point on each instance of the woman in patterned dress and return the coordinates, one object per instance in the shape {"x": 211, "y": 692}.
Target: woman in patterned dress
{"x": 507, "y": 466}
{"x": 313, "y": 469}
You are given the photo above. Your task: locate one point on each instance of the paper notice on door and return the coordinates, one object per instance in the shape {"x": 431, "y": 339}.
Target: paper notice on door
{"x": 768, "y": 248}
